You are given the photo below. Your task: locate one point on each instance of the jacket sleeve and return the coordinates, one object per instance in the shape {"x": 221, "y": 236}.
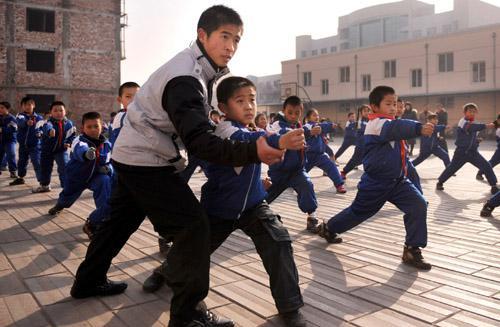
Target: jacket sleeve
{"x": 79, "y": 149}
{"x": 471, "y": 127}
{"x": 46, "y": 128}
{"x": 21, "y": 121}
{"x": 11, "y": 127}
{"x": 183, "y": 100}
{"x": 400, "y": 129}
{"x": 243, "y": 136}
{"x": 326, "y": 127}
{"x": 70, "y": 133}
{"x": 440, "y": 128}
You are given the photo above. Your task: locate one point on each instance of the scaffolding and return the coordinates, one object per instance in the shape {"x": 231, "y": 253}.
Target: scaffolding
{"x": 123, "y": 25}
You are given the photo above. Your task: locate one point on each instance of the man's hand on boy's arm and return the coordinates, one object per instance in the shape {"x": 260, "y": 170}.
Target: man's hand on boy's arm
{"x": 266, "y": 153}
{"x": 491, "y": 125}
{"x": 316, "y": 130}
{"x": 293, "y": 140}
{"x": 427, "y": 129}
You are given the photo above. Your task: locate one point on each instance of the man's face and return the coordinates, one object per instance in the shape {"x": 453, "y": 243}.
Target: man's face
{"x": 222, "y": 43}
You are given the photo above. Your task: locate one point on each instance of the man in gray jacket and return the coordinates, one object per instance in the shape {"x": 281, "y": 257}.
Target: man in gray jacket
{"x": 169, "y": 115}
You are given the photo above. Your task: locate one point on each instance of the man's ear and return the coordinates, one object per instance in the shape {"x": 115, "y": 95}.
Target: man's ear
{"x": 202, "y": 35}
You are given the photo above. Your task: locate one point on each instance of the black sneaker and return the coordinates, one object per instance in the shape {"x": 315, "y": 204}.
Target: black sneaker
{"x": 325, "y": 233}
{"x": 205, "y": 319}
{"x": 413, "y": 257}
{"x": 312, "y": 224}
{"x": 494, "y": 189}
{"x": 487, "y": 210}
{"x": 55, "y": 210}
{"x": 479, "y": 176}
{"x": 17, "y": 181}
{"x": 439, "y": 186}
{"x": 164, "y": 246}
{"x": 293, "y": 319}
{"x": 154, "y": 282}
{"x": 106, "y": 289}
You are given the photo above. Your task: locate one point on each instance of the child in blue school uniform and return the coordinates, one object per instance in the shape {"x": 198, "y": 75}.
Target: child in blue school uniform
{"x": 430, "y": 144}
{"x": 495, "y": 159}
{"x": 385, "y": 178}
{"x": 8, "y": 138}
{"x": 126, "y": 94}
{"x": 28, "y": 137}
{"x": 357, "y": 157}
{"x": 467, "y": 149}
{"x": 58, "y": 133}
{"x": 291, "y": 171}
{"x": 349, "y": 135}
{"x": 316, "y": 155}
{"x": 89, "y": 167}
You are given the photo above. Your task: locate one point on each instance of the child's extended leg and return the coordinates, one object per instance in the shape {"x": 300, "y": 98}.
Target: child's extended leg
{"x": 421, "y": 157}
{"x": 491, "y": 205}
{"x": 325, "y": 164}
{"x": 70, "y": 193}
{"x": 100, "y": 185}
{"x": 306, "y": 198}
{"x": 478, "y": 160}
{"x": 443, "y": 155}
{"x": 46, "y": 165}
{"x": 459, "y": 159}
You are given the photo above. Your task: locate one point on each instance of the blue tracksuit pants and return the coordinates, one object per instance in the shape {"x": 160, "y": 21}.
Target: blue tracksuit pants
{"x": 495, "y": 200}
{"x": 8, "y": 154}
{"x": 345, "y": 145}
{"x": 25, "y": 154}
{"x": 100, "y": 185}
{"x": 371, "y": 197}
{"x": 300, "y": 182}
{"x": 460, "y": 158}
{"x": 47, "y": 163}
{"x": 324, "y": 162}
{"x": 437, "y": 151}
{"x": 356, "y": 160}
{"x": 495, "y": 160}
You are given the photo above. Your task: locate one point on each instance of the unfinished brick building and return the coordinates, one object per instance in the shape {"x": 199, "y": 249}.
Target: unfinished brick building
{"x": 67, "y": 50}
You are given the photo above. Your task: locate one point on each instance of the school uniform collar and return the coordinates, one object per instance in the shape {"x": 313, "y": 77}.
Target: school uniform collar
{"x": 373, "y": 116}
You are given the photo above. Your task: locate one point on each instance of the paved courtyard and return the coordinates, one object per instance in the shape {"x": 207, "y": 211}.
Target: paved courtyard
{"x": 360, "y": 282}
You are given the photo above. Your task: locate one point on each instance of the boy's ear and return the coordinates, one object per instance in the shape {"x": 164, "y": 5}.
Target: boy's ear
{"x": 222, "y": 107}
{"x": 119, "y": 99}
{"x": 373, "y": 107}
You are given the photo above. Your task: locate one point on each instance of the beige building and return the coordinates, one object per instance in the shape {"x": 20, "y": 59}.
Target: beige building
{"x": 449, "y": 67}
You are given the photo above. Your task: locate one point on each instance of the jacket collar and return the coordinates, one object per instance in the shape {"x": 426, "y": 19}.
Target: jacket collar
{"x": 209, "y": 70}
{"x": 375, "y": 116}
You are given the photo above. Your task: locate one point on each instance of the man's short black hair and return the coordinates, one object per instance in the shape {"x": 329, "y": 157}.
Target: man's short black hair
{"x": 377, "y": 94}
{"x": 57, "y": 103}
{"x": 216, "y": 16}
{"x": 126, "y": 85}
{"x": 292, "y": 100}
{"x": 5, "y": 104}
{"x": 26, "y": 100}
{"x": 90, "y": 116}
{"x": 230, "y": 85}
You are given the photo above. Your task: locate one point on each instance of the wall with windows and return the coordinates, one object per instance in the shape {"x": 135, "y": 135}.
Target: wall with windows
{"x": 65, "y": 50}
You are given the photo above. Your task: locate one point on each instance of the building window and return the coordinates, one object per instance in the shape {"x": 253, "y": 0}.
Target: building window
{"x": 447, "y": 101}
{"x": 333, "y": 49}
{"x": 445, "y": 62}
{"x": 345, "y": 74}
{"x": 344, "y": 33}
{"x": 344, "y": 46}
{"x": 314, "y": 52}
{"x": 38, "y": 20}
{"x": 416, "y": 77}
{"x": 325, "y": 88}
{"x": 367, "y": 82}
{"x": 390, "y": 68}
{"x": 324, "y": 50}
{"x": 479, "y": 71}
{"x": 40, "y": 61}
{"x": 42, "y": 101}
{"x": 303, "y": 54}
{"x": 417, "y": 34}
{"x": 345, "y": 107}
{"x": 307, "y": 78}
{"x": 431, "y": 31}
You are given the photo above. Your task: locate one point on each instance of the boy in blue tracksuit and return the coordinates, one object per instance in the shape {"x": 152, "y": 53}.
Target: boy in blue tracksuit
{"x": 28, "y": 137}
{"x": 467, "y": 149}
{"x": 349, "y": 135}
{"x": 357, "y": 156}
{"x": 495, "y": 159}
{"x": 89, "y": 167}
{"x": 291, "y": 171}
{"x": 316, "y": 155}
{"x": 8, "y": 138}
{"x": 234, "y": 198}
{"x": 430, "y": 144}
{"x": 126, "y": 94}
{"x": 385, "y": 178}
{"x": 58, "y": 133}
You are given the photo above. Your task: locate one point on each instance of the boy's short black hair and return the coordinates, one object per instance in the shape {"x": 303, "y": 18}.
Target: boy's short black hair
{"x": 400, "y": 100}
{"x": 90, "y": 116}
{"x": 5, "y": 104}
{"x": 26, "y": 100}
{"x": 470, "y": 105}
{"x": 350, "y": 114}
{"x": 228, "y": 86}
{"x": 216, "y": 16}
{"x": 57, "y": 103}
{"x": 310, "y": 112}
{"x": 292, "y": 100}
{"x": 126, "y": 85}
{"x": 112, "y": 114}
{"x": 377, "y": 94}
{"x": 432, "y": 115}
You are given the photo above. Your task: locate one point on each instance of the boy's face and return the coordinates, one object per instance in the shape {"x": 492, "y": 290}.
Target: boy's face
{"x": 433, "y": 121}
{"x": 3, "y": 110}
{"x": 365, "y": 112}
{"x": 262, "y": 121}
{"x": 314, "y": 116}
{"x": 292, "y": 113}
{"x": 128, "y": 94}
{"x": 58, "y": 112}
{"x": 241, "y": 107}
{"x": 470, "y": 113}
{"x": 400, "y": 108}
{"x": 387, "y": 106}
{"x": 28, "y": 107}
{"x": 351, "y": 118}
{"x": 92, "y": 128}
{"x": 222, "y": 43}
{"x": 408, "y": 106}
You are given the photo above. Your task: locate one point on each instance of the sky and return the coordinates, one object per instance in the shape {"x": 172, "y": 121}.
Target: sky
{"x": 158, "y": 29}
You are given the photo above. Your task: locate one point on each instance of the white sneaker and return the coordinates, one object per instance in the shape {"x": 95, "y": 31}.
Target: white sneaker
{"x": 42, "y": 189}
